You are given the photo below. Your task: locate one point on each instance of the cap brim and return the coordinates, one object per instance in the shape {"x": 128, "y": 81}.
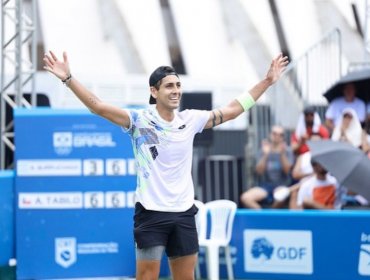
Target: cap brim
{"x": 152, "y": 100}
{"x": 309, "y": 110}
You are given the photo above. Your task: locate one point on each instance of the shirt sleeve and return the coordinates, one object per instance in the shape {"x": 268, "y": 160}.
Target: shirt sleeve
{"x": 130, "y": 114}
{"x": 324, "y": 133}
{"x": 200, "y": 118}
{"x": 302, "y": 193}
{"x": 329, "y": 114}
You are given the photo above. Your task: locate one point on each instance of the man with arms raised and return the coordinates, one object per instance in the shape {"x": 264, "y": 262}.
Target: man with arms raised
{"x": 162, "y": 140}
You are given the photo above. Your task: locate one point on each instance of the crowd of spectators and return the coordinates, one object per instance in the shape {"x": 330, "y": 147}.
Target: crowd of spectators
{"x": 288, "y": 177}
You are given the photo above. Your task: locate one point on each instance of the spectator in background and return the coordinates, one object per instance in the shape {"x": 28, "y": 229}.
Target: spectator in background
{"x": 302, "y": 166}
{"x": 349, "y": 130}
{"x": 348, "y": 100}
{"x": 301, "y": 170}
{"x": 274, "y": 165}
{"x": 367, "y": 129}
{"x": 309, "y": 124}
{"x": 320, "y": 191}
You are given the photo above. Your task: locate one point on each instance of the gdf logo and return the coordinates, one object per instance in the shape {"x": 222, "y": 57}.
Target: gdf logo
{"x": 291, "y": 253}
{"x": 278, "y": 251}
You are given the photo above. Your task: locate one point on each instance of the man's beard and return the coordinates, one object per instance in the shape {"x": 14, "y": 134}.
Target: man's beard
{"x": 310, "y": 124}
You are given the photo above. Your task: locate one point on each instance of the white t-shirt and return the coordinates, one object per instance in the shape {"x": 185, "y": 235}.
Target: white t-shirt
{"x": 325, "y": 191}
{"x": 306, "y": 166}
{"x": 336, "y": 107}
{"x": 164, "y": 152}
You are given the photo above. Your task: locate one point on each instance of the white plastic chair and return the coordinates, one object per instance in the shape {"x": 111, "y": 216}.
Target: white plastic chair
{"x": 201, "y": 219}
{"x": 201, "y": 224}
{"x": 222, "y": 213}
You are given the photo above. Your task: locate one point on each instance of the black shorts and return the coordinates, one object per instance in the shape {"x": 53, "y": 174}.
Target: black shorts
{"x": 174, "y": 230}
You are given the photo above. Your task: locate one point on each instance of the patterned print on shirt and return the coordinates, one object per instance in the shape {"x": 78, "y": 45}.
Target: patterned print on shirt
{"x": 148, "y": 136}
{"x": 146, "y": 130}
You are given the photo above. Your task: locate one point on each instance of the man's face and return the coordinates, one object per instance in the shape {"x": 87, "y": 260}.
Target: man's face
{"x": 347, "y": 119}
{"x": 169, "y": 93}
{"x": 349, "y": 92}
{"x": 308, "y": 118}
{"x": 277, "y": 135}
{"x": 319, "y": 169}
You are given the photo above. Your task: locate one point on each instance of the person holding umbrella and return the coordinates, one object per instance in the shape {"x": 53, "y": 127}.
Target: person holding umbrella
{"x": 349, "y": 99}
{"x": 348, "y": 164}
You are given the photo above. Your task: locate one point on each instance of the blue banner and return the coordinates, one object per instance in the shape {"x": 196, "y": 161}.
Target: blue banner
{"x": 308, "y": 244}
{"x": 75, "y": 182}
{"x": 75, "y": 187}
{"x": 6, "y": 216}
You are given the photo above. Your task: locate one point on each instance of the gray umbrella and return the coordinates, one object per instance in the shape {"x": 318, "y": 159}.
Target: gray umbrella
{"x": 347, "y": 164}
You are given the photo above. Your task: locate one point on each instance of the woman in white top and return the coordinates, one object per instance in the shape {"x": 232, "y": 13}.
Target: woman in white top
{"x": 349, "y": 130}
{"x": 367, "y": 131}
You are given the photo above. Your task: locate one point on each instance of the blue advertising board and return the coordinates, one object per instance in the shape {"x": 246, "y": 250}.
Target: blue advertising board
{"x": 310, "y": 244}
{"x": 75, "y": 182}
{"x": 6, "y": 216}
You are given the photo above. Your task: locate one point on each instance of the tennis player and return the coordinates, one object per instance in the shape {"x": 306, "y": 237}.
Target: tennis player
{"x": 162, "y": 140}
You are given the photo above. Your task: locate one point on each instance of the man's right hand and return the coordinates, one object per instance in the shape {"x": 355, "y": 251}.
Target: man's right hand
{"x": 55, "y": 66}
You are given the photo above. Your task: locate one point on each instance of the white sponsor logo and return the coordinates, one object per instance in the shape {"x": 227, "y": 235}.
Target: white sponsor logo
{"x": 130, "y": 199}
{"x": 278, "y": 251}
{"x": 66, "y": 167}
{"x": 115, "y": 167}
{"x": 98, "y": 139}
{"x": 76, "y": 167}
{"x": 115, "y": 199}
{"x": 63, "y": 142}
{"x": 50, "y": 200}
{"x": 94, "y": 200}
{"x": 76, "y": 200}
{"x": 119, "y": 199}
{"x": 109, "y": 199}
{"x": 364, "y": 258}
{"x": 93, "y": 167}
{"x": 131, "y": 166}
{"x": 364, "y": 261}
{"x": 98, "y": 248}
{"x": 65, "y": 251}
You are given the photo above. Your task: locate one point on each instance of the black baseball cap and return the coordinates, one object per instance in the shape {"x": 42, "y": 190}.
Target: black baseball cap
{"x": 309, "y": 110}
{"x": 157, "y": 75}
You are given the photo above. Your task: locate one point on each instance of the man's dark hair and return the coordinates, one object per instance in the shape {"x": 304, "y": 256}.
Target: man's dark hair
{"x": 156, "y": 77}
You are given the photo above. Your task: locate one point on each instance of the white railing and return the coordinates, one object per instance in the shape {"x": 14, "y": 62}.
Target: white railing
{"x": 306, "y": 79}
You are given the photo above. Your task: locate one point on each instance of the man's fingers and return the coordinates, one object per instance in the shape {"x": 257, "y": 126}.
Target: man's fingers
{"x": 48, "y": 61}
{"x": 53, "y": 56}
{"x": 65, "y": 57}
{"x": 47, "y": 68}
{"x": 278, "y": 56}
